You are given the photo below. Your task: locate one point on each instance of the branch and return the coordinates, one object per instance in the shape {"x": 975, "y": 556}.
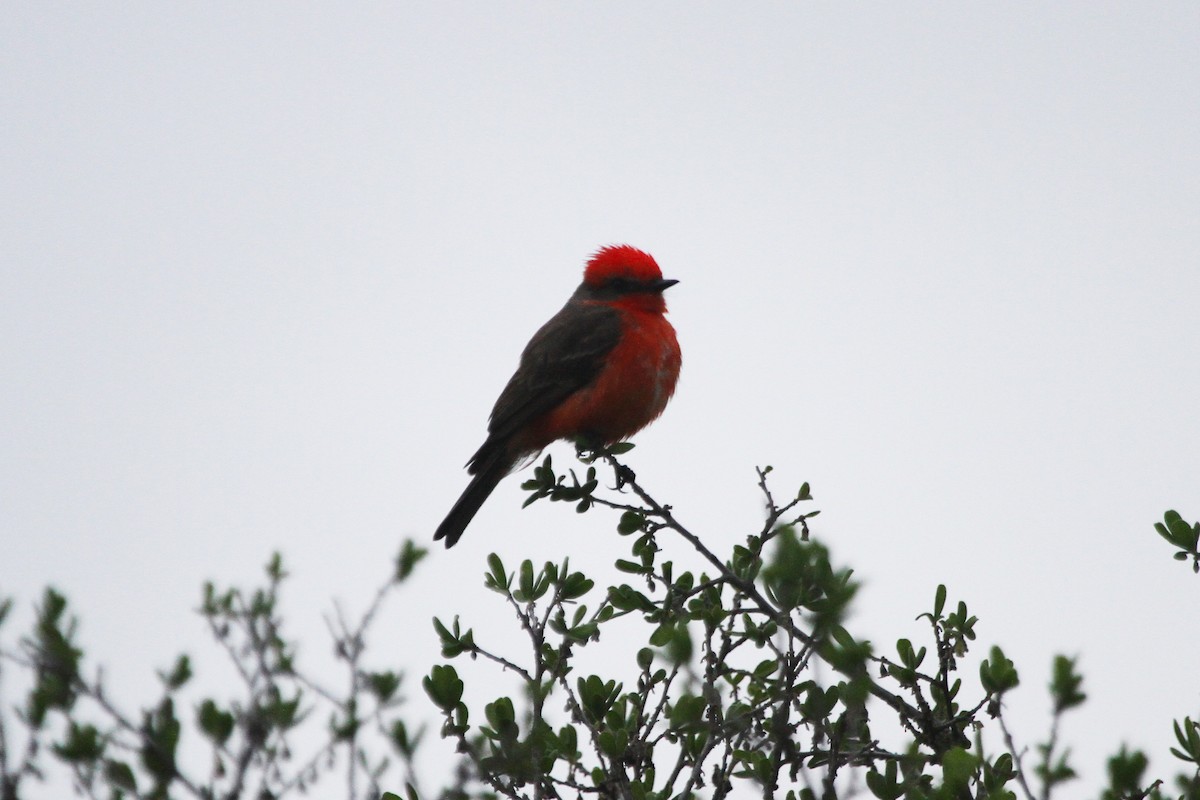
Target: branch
{"x": 626, "y": 477}
{"x": 1017, "y": 756}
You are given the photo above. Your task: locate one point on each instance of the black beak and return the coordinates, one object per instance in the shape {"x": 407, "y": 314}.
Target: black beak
{"x": 662, "y": 284}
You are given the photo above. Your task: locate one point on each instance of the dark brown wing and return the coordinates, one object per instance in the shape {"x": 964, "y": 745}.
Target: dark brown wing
{"x": 565, "y": 355}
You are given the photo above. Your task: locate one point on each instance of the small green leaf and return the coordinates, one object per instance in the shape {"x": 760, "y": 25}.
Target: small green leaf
{"x": 525, "y": 581}
{"x": 597, "y": 696}
{"x": 383, "y": 684}
{"x": 179, "y": 674}
{"x": 630, "y": 522}
{"x": 688, "y": 710}
{"x": 1188, "y": 736}
{"x": 216, "y": 724}
{"x": 83, "y": 744}
{"x": 885, "y": 785}
{"x": 496, "y": 578}
{"x": 1125, "y": 771}
{"x": 1064, "y": 685}
{"x": 626, "y": 598}
{"x": 958, "y": 768}
{"x": 631, "y": 567}
{"x": 443, "y": 686}
{"x": 404, "y": 742}
{"x": 502, "y": 718}
{"x": 410, "y": 555}
{"x": 575, "y": 585}
{"x": 998, "y": 674}
{"x": 120, "y": 775}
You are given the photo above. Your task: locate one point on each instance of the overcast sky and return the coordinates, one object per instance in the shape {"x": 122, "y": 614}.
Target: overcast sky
{"x": 265, "y": 268}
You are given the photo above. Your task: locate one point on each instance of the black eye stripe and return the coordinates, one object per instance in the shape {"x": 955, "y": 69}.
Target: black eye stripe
{"x": 625, "y": 285}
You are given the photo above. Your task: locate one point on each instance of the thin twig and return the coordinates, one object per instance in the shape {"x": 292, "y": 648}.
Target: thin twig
{"x": 748, "y": 588}
{"x": 1017, "y": 756}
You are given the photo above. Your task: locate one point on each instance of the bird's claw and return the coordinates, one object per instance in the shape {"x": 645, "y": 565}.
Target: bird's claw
{"x": 587, "y": 450}
{"x": 624, "y": 475}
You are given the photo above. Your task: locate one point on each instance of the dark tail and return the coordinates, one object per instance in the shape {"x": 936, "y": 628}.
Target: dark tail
{"x": 489, "y": 470}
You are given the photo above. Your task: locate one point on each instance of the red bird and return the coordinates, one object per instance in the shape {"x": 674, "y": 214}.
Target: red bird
{"x": 601, "y": 369}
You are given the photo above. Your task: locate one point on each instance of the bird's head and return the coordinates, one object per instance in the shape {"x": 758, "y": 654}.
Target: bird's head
{"x": 625, "y": 276}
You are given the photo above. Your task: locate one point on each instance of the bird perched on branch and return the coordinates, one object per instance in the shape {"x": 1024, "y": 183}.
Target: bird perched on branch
{"x": 599, "y": 371}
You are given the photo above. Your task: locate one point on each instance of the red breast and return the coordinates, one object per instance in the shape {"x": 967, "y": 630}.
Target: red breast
{"x": 630, "y": 391}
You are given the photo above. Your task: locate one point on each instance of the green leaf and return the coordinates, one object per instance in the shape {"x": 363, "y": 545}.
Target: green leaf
{"x": 998, "y": 674}
{"x": 846, "y": 654}
{"x": 766, "y": 668}
{"x": 1003, "y": 769}
{"x": 630, "y": 522}
{"x": 1058, "y": 772}
{"x": 1175, "y": 530}
{"x": 1064, "y": 685}
{"x": 454, "y": 641}
{"x": 1182, "y": 535}
{"x": 410, "y": 555}
{"x": 120, "y": 775}
{"x": 83, "y": 744}
{"x": 179, "y": 674}
{"x": 745, "y": 563}
{"x": 274, "y": 568}
{"x": 662, "y": 634}
{"x": 282, "y": 713}
{"x": 1125, "y": 771}
{"x": 525, "y": 582}
{"x": 56, "y": 660}
{"x": 597, "y": 696}
{"x": 688, "y": 710}
{"x": 497, "y": 579}
{"x": 216, "y": 724}
{"x": 502, "y": 718}
{"x": 443, "y": 686}
{"x": 1188, "y": 736}
{"x": 404, "y": 743}
{"x": 885, "y": 785}
{"x": 575, "y": 585}
{"x": 568, "y": 743}
{"x": 678, "y": 648}
{"x": 160, "y": 738}
{"x": 383, "y": 684}
{"x": 626, "y": 598}
{"x": 958, "y": 768}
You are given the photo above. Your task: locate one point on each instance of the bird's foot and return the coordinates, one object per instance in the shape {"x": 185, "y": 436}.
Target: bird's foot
{"x": 624, "y": 475}
{"x": 588, "y": 449}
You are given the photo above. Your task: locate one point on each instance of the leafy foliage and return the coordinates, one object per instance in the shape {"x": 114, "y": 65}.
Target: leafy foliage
{"x": 115, "y": 754}
{"x": 726, "y": 696}
{"x": 1182, "y": 535}
{"x": 743, "y": 675}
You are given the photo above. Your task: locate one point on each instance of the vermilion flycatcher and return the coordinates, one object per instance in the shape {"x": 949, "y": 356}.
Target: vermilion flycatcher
{"x": 600, "y": 370}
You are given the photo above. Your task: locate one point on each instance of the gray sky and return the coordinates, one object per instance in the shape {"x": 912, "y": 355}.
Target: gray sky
{"x": 265, "y": 269}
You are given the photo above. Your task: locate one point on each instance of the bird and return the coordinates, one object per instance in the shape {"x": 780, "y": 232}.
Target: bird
{"x": 598, "y": 371}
